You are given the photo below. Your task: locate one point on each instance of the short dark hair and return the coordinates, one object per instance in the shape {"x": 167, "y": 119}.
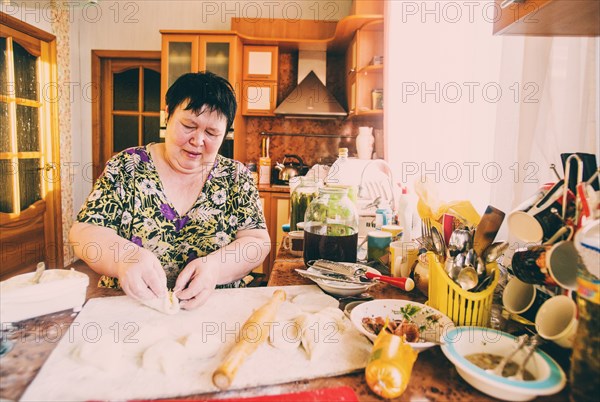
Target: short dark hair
{"x": 203, "y": 89}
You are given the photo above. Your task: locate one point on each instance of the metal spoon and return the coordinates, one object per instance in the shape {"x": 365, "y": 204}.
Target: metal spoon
{"x": 459, "y": 241}
{"x": 39, "y": 271}
{"x": 533, "y": 343}
{"x": 521, "y": 340}
{"x": 467, "y": 278}
{"x": 494, "y": 251}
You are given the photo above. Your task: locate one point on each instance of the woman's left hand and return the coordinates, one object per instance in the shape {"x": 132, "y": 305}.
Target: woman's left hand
{"x": 195, "y": 283}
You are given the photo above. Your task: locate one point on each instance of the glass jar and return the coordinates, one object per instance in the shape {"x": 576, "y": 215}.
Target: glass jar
{"x": 331, "y": 227}
{"x": 301, "y": 197}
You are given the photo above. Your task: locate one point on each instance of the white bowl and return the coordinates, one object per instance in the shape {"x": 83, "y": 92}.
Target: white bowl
{"x": 341, "y": 288}
{"x": 57, "y": 290}
{"x": 429, "y": 336}
{"x": 461, "y": 341}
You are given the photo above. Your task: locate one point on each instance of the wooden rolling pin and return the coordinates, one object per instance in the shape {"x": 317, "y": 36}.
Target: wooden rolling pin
{"x": 253, "y": 333}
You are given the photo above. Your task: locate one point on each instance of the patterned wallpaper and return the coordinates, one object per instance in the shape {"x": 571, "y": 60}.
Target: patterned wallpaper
{"x": 61, "y": 28}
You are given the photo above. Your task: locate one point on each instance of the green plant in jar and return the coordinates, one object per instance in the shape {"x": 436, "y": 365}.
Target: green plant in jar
{"x": 300, "y": 199}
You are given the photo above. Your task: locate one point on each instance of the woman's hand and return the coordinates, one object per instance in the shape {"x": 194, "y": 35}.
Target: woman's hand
{"x": 141, "y": 276}
{"x": 195, "y": 283}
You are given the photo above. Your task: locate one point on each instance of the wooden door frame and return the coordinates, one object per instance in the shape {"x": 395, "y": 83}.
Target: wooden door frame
{"x": 97, "y": 129}
{"x": 50, "y": 154}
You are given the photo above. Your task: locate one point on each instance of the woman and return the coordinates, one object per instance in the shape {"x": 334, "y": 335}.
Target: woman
{"x": 176, "y": 214}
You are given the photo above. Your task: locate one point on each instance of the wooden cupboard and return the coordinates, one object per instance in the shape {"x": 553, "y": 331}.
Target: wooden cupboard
{"x": 217, "y": 51}
{"x": 548, "y": 18}
{"x": 364, "y": 71}
{"x": 259, "y": 94}
{"x": 276, "y": 207}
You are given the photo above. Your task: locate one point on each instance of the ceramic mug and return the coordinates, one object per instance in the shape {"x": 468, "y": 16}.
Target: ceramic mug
{"x": 539, "y": 218}
{"x": 378, "y": 246}
{"x": 403, "y": 256}
{"x": 557, "y": 321}
{"x": 523, "y": 299}
{"x": 395, "y": 230}
{"x": 549, "y": 265}
{"x": 294, "y": 242}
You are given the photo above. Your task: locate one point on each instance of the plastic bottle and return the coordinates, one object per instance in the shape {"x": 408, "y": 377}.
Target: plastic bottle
{"x": 404, "y": 213}
{"x": 340, "y": 175}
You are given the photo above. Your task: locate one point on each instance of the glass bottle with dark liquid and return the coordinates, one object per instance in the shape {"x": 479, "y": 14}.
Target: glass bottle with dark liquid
{"x": 331, "y": 227}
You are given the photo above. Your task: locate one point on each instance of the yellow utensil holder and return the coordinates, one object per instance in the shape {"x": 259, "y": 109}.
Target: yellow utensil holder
{"x": 461, "y": 306}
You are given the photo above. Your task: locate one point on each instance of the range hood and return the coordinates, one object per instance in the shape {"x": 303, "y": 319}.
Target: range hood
{"x": 311, "y": 99}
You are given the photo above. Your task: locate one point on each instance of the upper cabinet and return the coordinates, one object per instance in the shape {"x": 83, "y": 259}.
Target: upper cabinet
{"x": 216, "y": 51}
{"x": 547, "y": 17}
{"x": 364, "y": 70}
{"x": 260, "y": 80}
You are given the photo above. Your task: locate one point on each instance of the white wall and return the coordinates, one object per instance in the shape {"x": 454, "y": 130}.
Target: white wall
{"x": 471, "y": 144}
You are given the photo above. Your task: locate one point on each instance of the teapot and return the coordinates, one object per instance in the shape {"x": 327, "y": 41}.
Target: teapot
{"x": 288, "y": 168}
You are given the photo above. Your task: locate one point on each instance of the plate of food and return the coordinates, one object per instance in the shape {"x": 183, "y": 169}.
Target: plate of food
{"x": 422, "y": 325}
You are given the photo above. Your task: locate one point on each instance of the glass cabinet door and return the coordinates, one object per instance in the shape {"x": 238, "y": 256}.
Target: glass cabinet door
{"x": 182, "y": 56}
{"x": 215, "y": 55}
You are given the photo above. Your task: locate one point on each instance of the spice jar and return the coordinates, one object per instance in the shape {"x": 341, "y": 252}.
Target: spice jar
{"x": 331, "y": 227}
{"x": 300, "y": 199}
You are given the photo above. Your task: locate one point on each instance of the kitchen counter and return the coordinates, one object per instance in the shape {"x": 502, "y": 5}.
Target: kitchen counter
{"x": 433, "y": 376}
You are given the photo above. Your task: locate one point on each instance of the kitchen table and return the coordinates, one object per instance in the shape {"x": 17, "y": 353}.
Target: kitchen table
{"x": 433, "y": 377}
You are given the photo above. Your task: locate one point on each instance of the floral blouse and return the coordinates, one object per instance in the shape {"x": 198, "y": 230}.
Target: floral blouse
{"x": 129, "y": 198}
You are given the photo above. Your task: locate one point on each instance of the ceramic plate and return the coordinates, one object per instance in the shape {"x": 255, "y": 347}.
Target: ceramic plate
{"x": 341, "y": 288}
{"x": 432, "y": 324}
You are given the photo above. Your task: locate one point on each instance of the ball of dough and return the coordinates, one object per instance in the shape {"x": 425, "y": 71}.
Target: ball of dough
{"x": 167, "y": 356}
{"x": 168, "y": 304}
{"x": 202, "y": 346}
{"x": 104, "y": 354}
{"x": 288, "y": 311}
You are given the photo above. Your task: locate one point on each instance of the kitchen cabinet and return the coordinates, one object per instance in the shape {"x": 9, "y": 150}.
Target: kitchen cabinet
{"x": 259, "y": 98}
{"x": 548, "y": 18}
{"x": 217, "y": 51}
{"x": 276, "y": 207}
{"x": 364, "y": 71}
{"x": 259, "y": 89}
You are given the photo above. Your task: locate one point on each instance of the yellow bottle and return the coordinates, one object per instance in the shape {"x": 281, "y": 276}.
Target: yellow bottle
{"x": 390, "y": 365}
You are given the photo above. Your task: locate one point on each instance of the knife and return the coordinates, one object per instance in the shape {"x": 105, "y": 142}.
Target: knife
{"x": 406, "y": 284}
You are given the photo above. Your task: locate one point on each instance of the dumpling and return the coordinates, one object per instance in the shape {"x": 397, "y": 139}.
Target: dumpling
{"x": 202, "y": 346}
{"x": 168, "y": 304}
{"x": 167, "y": 356}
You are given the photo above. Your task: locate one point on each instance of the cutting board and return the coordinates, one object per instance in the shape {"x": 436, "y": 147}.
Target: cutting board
{"x": 133, "y": 327}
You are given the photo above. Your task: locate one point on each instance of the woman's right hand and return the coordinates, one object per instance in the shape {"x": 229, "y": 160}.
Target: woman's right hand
{"x": 142, "y": 277}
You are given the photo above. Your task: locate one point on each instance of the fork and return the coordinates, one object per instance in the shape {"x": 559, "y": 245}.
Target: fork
{"x": 533, "y": 344}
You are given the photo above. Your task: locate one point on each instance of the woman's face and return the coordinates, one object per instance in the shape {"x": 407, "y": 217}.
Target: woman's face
{"x": 192, "y": 141}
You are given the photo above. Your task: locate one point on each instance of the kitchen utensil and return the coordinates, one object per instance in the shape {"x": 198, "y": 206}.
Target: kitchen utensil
{"x": 532, "y": 344}
{"x": 460, "y": 342}
{"x": 288, "y": 168}
{"x": 250, "y": 337}
{"x": 487, "y": 229}
{"x": 521, "y": 341}
{"x": 494, "y": 251}
{"x": 462, "y": 306}
{"x": 354, "y": 272}
{"x": 467, "y": 278}
{"x": 438, "y": 241}
{"x": 460, "y": 240}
